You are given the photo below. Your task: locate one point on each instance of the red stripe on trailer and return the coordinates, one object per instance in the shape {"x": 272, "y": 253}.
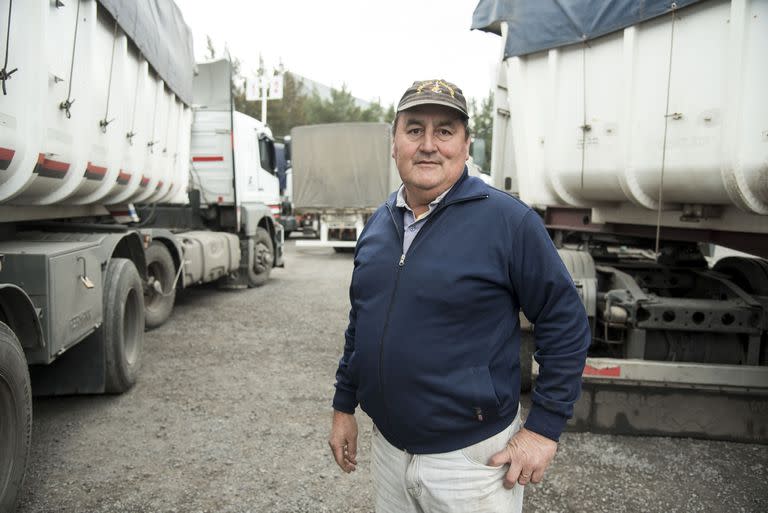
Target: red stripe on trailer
{"x": 7, "y": 153}
{"x": 159, "y": 184}
{"x": 94, "y": 172}
{"x": 6, "y": 156}
{"x": 212, "y": 158}
{"x": 612, "y": 372}
{"x": 144, "y": 181}
{"x": 51, "y": 168}
{"x": 123, "y": 177}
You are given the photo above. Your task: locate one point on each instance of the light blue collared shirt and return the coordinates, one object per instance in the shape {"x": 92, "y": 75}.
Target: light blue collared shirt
{"x": 411, "y": 224}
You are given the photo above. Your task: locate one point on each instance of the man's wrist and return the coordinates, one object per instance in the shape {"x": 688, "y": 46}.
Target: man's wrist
{"x": 545, "y": 423}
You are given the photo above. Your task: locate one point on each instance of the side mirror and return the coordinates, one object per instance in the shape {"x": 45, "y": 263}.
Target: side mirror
{"x": 287, "y": 142}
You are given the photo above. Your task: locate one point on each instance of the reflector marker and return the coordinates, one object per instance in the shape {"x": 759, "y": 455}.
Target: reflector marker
{"x": 612, "y": 372}
{"x": 6, "y": 156}
{"x": 123, "y": 177}
{"x": 144, "y": 181}
{"x": 51, "y": 168}
{"x": 94, "y": 172}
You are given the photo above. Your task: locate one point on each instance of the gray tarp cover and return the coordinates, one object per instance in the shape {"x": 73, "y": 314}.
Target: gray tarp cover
{"x": 158, "y": 30}
{"x": 536, "y": 25}
{"x": 342, "y": 165}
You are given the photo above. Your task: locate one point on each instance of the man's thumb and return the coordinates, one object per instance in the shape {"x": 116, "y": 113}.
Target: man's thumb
{"x": 499, "y": 459}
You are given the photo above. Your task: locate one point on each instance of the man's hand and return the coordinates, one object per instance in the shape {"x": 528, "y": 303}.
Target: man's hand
{"x": 528, "y": 455}
{"x": 343, "y": 440}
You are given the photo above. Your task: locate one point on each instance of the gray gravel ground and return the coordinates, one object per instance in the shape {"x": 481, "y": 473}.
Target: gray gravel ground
{"x": 232, "y": 412}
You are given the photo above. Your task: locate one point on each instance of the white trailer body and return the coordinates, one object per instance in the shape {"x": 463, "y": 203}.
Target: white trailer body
{"x": 247, "y": 153}
{"x": 341, "y": 173}
{"x": 637, "y": 141}
{"x": 96, "y": 118}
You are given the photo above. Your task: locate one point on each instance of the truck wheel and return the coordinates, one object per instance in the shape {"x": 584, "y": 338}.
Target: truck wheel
{"x": 160, "y": 293}
{"x": 527, "y": 347}
{"x": 260, "y": 261}
{"x": 16, "y": 418}
{"x": 123, "y": 326}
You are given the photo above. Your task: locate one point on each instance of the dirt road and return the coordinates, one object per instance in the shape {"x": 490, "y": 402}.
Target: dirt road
{"x": 232, "y": 411}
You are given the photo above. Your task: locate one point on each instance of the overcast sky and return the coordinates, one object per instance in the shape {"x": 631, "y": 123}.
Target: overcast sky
{"x": 376, "y": 48}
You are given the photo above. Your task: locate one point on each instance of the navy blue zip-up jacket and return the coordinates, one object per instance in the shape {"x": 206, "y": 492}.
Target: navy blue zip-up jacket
{"x": 432, "y": 348}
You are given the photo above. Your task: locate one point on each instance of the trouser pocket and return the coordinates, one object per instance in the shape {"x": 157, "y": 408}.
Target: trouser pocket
{"x": 481, "y": 452}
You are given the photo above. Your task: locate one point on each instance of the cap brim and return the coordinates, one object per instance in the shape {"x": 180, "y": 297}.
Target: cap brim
{"x": 429, "y": 101}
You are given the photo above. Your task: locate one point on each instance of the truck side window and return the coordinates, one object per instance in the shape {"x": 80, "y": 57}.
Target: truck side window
{"x": 267, "y": 154}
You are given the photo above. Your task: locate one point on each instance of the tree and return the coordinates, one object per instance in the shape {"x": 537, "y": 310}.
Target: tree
{"x": 481, "y": 125}
{"x": 300, "y": 107}
{"x": 211, "y": 49}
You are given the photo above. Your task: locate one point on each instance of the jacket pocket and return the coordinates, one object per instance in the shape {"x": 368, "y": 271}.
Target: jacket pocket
{"x": 482, "y": 392}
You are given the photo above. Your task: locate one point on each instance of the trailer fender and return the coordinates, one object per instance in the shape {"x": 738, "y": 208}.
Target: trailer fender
{"x": 127, "y": 245}
{"x": 173, "y": 243}
{"x": 18, "y": 312}
{"x": 258, "y": 215}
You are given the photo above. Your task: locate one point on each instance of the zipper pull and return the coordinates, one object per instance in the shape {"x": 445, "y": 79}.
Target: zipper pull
{"x": 479, "y": 414}
{"x": 402, "y": 260}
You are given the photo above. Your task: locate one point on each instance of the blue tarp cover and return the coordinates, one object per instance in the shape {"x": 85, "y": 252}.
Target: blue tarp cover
{"x": 536, "y": 25}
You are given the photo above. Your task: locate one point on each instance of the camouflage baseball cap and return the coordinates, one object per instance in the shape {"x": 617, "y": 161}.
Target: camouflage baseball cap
{"x": 433, "y": 92}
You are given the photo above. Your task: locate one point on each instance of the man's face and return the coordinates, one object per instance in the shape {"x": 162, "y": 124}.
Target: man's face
{"x": 430, "y": 148}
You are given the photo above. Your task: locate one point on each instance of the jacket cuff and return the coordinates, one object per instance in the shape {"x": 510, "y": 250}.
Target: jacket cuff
{"x": 344, "y": 401}
{"x": 545, "y": 422}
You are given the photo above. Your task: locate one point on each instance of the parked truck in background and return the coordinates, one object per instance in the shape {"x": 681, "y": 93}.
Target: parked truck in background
{"x": 341, "y": 172}
{"x": 641, "y": 135}
{"x": 100, "y": 113}
{"x": 285, "y": 174}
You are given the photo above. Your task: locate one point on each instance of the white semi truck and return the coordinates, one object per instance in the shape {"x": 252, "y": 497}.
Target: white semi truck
{"x": 341, "y": 173}
{"x": 641, "y": 136}
{"x": 122, "y": 180}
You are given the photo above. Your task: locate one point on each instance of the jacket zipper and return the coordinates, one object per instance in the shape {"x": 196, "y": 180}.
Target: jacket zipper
{"x": 400, "y": 265}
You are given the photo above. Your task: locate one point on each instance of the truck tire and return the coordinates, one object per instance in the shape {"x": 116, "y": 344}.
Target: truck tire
{"x": 261, "y": 259}
{"x": 15, "y": 418}
{"x": 527, "y": 347}
{"x": 161, "y": 273}
{"x": 750, "y": 274}
{"x": 123, "y": 326}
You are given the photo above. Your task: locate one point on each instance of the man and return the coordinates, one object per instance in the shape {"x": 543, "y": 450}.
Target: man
{"x": 442, "y": 270}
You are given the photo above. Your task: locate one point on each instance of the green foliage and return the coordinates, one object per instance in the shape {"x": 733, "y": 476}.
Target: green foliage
{"x": 481, "y": 125}
{"x": 300, "y": 107}
{"x": 282, "y": 115}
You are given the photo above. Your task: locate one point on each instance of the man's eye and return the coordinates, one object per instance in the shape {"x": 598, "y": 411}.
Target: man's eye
{"x": 444, "y": 133}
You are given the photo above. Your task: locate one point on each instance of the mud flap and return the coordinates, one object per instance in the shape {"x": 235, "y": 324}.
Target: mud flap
{"x": 80, "y": 370}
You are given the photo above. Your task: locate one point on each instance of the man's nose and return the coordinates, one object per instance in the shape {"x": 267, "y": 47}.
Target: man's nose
{"x": 428, "y": 142}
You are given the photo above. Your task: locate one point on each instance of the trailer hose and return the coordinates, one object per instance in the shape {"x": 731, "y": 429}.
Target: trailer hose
{"x": 4, "y": 73}
{"x": 176, "y": 280}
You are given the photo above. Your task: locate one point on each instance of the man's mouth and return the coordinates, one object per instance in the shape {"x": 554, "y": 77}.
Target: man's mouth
{"x": 432, "y": 162}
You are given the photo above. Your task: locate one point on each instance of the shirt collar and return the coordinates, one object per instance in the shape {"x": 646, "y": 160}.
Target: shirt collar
{"x": 400, "y": 202}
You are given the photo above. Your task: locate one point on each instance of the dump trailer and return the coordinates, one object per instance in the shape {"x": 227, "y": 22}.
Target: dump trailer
{"x": 117, "y": 188}
{"x": 341, "y": 173}
{"x": 641, "y": 136}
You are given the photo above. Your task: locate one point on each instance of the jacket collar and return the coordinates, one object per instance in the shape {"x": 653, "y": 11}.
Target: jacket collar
{"x": 466, "y": 187}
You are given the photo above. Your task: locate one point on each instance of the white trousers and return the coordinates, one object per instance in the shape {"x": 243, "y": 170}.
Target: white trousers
{"x": 450, "y": 482}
